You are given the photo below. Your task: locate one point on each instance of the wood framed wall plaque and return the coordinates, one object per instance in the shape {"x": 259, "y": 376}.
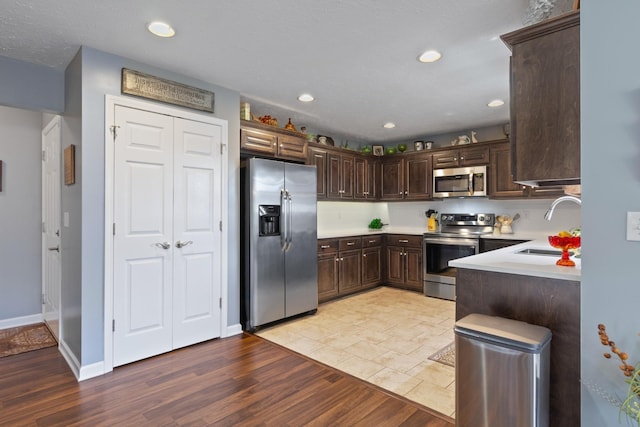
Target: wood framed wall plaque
{"x": 70, "y": 165}
{"x": 170, "y": 92}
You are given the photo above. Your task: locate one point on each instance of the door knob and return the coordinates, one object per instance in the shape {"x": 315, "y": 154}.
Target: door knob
{"x": 57, "y": 249}
{"x": 163, "y": 245}
{"x": 181, "y": 244}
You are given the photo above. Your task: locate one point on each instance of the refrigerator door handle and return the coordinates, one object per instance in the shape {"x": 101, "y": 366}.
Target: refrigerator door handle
{"x": 283, "y": 220}
{"x": 289, "y": 220}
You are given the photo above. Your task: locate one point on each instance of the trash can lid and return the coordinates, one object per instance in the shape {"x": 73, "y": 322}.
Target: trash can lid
{"x": 494, "y": 328}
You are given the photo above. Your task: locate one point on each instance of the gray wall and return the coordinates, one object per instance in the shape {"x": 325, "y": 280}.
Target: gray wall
{"x": 610, "y": 103}
{"x": 20, "y": 213}
{"x": 101, "y": 75}
{"x": 29, "y": 86}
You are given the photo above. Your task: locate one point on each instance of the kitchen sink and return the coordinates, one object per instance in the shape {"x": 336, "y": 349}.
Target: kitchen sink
{"x": 545, "y": 252}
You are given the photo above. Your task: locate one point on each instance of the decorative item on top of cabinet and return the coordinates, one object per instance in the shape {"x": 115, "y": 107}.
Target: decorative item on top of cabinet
{"x": 545, "y": 101}
{"x": 261, "y": 139}
{"x": 404, "y": 261}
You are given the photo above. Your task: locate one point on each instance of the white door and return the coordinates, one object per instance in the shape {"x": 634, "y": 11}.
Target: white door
{"x": 167, "y": 239}
{"x": 197, "y": 215}
{"x": 51, "y": 261}
{"x": 143, "y": 216}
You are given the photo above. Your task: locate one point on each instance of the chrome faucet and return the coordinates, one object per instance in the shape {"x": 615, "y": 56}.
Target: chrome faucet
{"x": 555, "y": 203}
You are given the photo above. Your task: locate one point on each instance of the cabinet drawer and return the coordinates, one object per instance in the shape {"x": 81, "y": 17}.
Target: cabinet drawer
{"x": 404, "y": 240}
{"x": 327, "y": 246}
{"x": 350, "y": 243}
{"x": 474, "y": 156}
{"x": 371, "y": 241}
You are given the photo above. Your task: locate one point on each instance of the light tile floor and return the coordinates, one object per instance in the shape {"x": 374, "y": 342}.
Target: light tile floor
{"x": 383, "y": 336}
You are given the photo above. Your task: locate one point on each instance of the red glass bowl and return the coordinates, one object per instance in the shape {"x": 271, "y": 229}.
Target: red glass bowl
{"x": 565, "y": 243}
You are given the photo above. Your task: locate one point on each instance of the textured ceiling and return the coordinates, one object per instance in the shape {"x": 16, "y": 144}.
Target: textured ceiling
{"x": 357, "y": 57}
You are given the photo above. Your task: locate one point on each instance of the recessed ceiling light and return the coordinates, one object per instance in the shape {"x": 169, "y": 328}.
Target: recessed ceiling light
{"x": 389, "y": 125}
{"x": 430, "y": 56}
{"x": 496, "y": 103}
{"x": 305, "y": 97}
{"x": 161, "y": 29}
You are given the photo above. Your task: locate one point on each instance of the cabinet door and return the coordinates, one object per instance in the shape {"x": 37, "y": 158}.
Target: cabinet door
{"x": 348, "y": 165}
{"x": 445, "y": 159}
{"x": 327, "y": 276}
{"x": 334, "y": 176}
{"x": 417, "y": 178}
{"x": 372, "y": 179}
{"x": 371, "y": 266}
{"x": 545, "y": 100}
{"x": 391, "y": 179}
{"x": 257, "y": 141}
{"x": 292, "y": 147}
{"x": 319, "y": 159}
{"x": 474, "y": 156}
{"x": 349, "y": 271}
{"x": 500, "y": 180}
{"x": 413, "y": 266}
{"x": 395, "y": 264}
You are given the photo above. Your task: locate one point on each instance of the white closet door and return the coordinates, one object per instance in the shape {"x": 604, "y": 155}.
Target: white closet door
{"x": 197, "y": 214}
{"x": 143, "y": 241}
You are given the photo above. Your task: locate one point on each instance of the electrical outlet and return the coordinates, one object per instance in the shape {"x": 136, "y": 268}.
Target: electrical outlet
{"x": 633, "y": 226}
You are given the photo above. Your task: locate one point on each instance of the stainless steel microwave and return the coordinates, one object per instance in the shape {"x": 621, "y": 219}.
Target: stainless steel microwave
{"x": 460, "y": 182}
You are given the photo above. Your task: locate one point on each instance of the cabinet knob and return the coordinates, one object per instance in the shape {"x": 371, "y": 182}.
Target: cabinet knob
{"x": 401, "y": 193}
{"x": 372, "y": 241}
{"x": 351, "y": 243}
{"x": 341, "y": 259}
{"x": 337, "y": 259}
{"x": 364, "y": 255}
{"x": 325, "y": 246}
{"x": 403, "y": 241}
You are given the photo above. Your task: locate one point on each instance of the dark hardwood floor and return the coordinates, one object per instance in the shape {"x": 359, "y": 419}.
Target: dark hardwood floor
{"x": 237, "y": 381}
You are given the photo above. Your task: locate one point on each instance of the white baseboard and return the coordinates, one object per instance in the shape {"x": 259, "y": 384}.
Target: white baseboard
{"x": 91, "y": 371}
{"x": 233, "y": 330}
{"x": 21, "y": 321}
{"x": 68, "y": 355}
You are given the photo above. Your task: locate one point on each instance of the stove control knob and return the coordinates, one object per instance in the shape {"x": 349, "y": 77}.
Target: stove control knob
{"x": 480, "y": 217}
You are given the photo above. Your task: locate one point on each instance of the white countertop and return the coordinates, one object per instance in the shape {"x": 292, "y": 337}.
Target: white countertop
{"x": 507, "y": 260}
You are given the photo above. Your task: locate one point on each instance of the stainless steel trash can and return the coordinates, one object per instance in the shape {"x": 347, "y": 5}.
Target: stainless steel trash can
{"x": 502, "y": 373}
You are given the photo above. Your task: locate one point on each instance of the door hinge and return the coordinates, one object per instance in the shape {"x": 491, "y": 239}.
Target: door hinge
{"x": 114, "y": 131}
{"x": 220, "y": 225}
{"x": 44, "y": 155}
{"x": 44, "y": 230}
{"x": 114, "y": 228}
{"x": 43, "y": 298}
{"x": 220, "y": 302}
{"x": 113, "y": 325}
{"x": 222, "y": 147}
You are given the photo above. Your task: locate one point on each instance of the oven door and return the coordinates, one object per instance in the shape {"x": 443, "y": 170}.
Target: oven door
{"x": 439, "y": 278}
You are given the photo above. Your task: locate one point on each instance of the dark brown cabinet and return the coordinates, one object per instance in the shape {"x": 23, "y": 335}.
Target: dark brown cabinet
{"x": 406, "y": 177}
{"x": 501, "y": 183}
{"x": 340, "y": 167}
{"x": 461, "y": 157}
{"x": 348, "y": 264}
{"x": 545, "y": 101}
{"x": 371, "y": 261}
{"x": 365, "y": 178}
{"x": 264, "y": 140}
{"x": 404, "y": 261}
{"x": 318, "y": 158}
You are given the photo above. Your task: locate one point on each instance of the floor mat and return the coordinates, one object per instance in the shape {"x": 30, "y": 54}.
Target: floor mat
{"x": 25, "y": 338}
{"x": 446, "y": 355}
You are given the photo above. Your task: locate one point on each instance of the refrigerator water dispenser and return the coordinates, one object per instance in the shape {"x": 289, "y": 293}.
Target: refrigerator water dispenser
{"x": 269, "y": 216}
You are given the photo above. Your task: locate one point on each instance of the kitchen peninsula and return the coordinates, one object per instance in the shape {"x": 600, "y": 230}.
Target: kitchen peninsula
{"x": 531, "y": 288}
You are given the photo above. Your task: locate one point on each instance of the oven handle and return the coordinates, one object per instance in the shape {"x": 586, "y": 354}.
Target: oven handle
{"x": 452, "y": 240}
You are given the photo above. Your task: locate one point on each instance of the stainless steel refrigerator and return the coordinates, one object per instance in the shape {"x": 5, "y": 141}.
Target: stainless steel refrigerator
{"x": 280, "y": 274}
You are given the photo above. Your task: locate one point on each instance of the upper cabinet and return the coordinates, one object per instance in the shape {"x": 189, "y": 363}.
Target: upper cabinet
{"x": 264, "y": 140}
{"x": 471, "y": 156}
{"x": 406, "y": 177}
{"x": 545, "y": 101}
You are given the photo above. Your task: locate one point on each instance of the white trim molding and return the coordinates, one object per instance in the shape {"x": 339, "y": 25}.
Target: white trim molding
{"x": 21, "y": 321}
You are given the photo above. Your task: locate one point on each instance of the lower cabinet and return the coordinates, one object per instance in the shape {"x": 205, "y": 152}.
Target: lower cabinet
{"x": 404, "y": 261}
{"x": 347, "y": 265}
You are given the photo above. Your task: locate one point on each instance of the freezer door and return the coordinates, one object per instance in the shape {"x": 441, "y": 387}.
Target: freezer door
{"x": 301, "y": 268}
{"x": 265, "y": 291}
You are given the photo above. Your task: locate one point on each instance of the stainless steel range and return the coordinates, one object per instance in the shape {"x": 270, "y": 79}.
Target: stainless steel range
{"x": 459, "y": 237}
